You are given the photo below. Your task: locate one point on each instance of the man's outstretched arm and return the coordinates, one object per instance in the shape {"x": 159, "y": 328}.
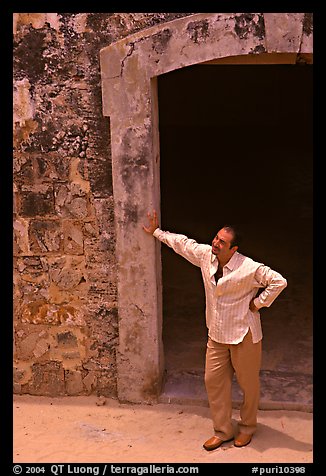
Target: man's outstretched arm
{"x": 181, "y": 244}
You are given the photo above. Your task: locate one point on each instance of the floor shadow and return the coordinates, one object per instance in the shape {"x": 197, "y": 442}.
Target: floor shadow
{"x": 267, "y": 437}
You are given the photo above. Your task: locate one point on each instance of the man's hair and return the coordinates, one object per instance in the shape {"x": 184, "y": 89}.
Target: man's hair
{"x": 236, "y": 240}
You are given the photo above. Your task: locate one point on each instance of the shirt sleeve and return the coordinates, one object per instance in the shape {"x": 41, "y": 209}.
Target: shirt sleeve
{"x": 184, "y": 246}
{"x": 273, "y": 282}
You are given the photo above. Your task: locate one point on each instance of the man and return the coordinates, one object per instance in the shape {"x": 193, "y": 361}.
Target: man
{"x": 231, "y": 282}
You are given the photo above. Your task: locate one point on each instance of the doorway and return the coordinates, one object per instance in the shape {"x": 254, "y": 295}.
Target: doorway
{"x": 236, "y": 147}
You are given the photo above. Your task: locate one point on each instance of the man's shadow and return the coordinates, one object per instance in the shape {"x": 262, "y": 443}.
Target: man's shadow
{"x": 266, "y": 438}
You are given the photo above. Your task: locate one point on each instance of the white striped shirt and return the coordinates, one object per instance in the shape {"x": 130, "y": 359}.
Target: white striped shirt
{"x": 228, "y": 317}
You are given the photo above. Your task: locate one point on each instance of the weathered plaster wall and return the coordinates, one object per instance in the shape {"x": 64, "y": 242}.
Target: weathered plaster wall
{"x": 65, "y": 296}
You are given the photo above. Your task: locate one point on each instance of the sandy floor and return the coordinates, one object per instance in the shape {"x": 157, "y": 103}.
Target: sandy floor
{"x": 82, "y": 429}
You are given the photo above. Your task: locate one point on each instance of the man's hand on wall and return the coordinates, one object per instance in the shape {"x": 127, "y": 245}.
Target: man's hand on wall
{"x": 153, "y": 223}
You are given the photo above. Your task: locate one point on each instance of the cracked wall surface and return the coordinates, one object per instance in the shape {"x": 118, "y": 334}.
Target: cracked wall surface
{"x": 86, "y": 283}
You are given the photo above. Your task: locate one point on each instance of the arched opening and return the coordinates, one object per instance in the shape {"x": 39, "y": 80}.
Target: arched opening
{"x": 130, "y": 68}
{"x": 236, "y": 146}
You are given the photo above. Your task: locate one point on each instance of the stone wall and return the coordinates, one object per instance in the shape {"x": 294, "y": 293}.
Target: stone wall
{"x": 65, "y": 297}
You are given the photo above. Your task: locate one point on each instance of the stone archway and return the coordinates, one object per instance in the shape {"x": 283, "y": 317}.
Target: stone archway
{"x": 129, "y": 69}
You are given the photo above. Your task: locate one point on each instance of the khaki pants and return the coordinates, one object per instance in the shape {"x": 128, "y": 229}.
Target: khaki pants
{"x": 222, "y": 360}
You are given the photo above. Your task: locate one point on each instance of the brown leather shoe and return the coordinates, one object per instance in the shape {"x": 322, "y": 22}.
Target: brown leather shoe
{"x": 242, "y": 440}
{"x": 213, "y": 443}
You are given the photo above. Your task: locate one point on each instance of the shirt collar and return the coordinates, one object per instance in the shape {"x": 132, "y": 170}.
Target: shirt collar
{"x": 231, "y": 263}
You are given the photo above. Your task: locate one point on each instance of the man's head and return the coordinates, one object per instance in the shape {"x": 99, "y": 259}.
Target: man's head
{"x": 225, "y": 243}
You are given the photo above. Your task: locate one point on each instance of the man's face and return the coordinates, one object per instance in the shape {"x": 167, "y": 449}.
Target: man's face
{"x": 221, "y": 245}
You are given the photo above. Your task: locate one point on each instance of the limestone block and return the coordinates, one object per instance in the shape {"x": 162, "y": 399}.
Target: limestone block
{"x": 74, "y": 382}
{"x": 73, "y": 237}
{"x": 90, "y": 381}
{"x": 67, "y": 339}
{"x": 37, "y": 20}
{"x": 47, "y": 379}
{"x": 91, "y": 230}
{"x": 77, "y": 172}
{"x": 23, "y": 104}
{"x": 50, "y": 167}
{"x": 18, "y": 375}
{"x": 25, "y": 347}
{"x": 24, "y": 172}
{"x": 36, "y": 203}
{"x": 21, "y": 242}
{"x": 69, "y": 203}
{"x": 31, "y": 280}
{"x": 68, "y": 272}
{"x": 41, "y": 348}
{"x": 45, "y": 236}
{"x": 41, "y": 312}
{"x": 17, "y": 388}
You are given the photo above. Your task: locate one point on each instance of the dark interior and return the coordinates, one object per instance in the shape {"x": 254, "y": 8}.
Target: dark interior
{"x": 236, "y": 147}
